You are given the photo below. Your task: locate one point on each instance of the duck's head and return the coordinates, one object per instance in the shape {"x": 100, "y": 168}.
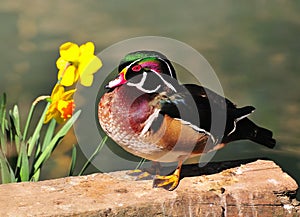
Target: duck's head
{"x": 139, "y": 64}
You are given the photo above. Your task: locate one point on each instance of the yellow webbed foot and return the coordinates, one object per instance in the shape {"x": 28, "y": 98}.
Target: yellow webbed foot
{"x": 146, "y": 173}
{"x": 141, "y": 174}
{"x": 167, "y": 182}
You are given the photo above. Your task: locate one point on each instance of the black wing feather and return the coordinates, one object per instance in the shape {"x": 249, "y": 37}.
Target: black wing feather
{"x": 192, "y": 99}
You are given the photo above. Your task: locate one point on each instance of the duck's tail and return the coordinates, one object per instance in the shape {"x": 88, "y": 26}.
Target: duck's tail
{"x": 246, "y": 129}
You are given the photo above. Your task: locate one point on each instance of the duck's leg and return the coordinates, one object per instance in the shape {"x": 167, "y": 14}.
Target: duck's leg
{"x": 169, "y": 182}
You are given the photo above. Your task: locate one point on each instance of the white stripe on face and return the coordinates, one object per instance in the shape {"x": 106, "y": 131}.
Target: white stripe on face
{"x": 141, "y": 83}
{"x": 168, "y": 67}
{"x": 169, "y": 85}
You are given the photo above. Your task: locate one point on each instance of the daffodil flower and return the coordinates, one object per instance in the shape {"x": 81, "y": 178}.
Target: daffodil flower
{"x": 77, "y": 63}
{"x": 62, "y": 104}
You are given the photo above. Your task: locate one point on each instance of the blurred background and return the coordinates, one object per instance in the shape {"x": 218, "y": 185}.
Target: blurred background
{"x": 253, "y": 47}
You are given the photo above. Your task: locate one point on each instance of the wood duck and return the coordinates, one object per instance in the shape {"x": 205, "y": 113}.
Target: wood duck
{"x": 149, "y": 114}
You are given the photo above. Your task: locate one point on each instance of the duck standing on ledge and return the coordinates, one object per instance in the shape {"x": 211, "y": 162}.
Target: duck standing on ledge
{"x": 149, "y": 114}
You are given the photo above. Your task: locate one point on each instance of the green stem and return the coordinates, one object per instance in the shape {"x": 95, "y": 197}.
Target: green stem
{"x": 30, "y": 114}
{"x": 142, "y": 161}
{"x": 28, "y": 121}
{"x": 36, "y": 133}
{"x": 73, "y": 161}
{"x": 88, "y": 162}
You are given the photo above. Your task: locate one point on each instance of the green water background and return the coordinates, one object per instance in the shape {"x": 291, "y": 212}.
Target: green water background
{"x": 253, "y": 47}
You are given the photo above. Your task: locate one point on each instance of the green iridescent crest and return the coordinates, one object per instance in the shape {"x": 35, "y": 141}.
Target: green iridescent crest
{"x": 141, "y": 55}
{"x": 150, "y": 57}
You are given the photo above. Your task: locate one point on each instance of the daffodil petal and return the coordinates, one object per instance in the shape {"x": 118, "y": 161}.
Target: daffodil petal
{"x": 68, "y": 76}
{"x": 68, "y": 94}
{"x": 48, "y": 117}
{"x": 57, "y": 92}
{"x": 61, "y": 63}
{"x": 50, "y": 112}
{"x": 60, "y": 74}
{"x": 87, "y": 49}
{"x": 51, "y": 108}
{"x": 87, "y": 70}
{"x": 69, "y": 51}
{"x": 77, "y": 75}
{"x": 87, "y": 81}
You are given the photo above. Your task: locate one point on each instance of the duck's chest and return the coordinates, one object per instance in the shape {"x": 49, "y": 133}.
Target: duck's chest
{"x": 122, "y": 115}
{"x": 124, "y": 109}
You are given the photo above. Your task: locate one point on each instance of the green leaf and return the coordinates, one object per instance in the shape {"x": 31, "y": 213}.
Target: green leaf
{"x": 6, "y": 172}
{"x": 88, "y": 162}
{"x": 16, "y": 119}
{"x": 3, "y": 141}
{"x": 49, "y": 134}
{"x": 3, "y": 123}
{"x": 24, "y": 167}
{"x": 12, "y": 175}
{"x": 36, "y": 176}
{"x": 36, "y": 133}
{"x": 28, "y": 121}
{"x": 15, "y": 132}
{"x": 55, "y": 140}
{"x": 38, "y": 150}
{"x": 73, "y": 161}
{"x": 3, "y": 111}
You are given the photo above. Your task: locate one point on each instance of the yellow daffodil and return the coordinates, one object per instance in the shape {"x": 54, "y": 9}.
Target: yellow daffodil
{"x": 62, "y": 104}
{"x": 77, "y": 62}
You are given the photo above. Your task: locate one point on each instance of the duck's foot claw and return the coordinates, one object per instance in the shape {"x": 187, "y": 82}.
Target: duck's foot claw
{"x": 140, "y": 174}
{"x": 167, "y": 182}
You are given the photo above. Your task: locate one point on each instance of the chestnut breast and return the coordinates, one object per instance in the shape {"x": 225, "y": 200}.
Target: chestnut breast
{"x": 122, "y": 114}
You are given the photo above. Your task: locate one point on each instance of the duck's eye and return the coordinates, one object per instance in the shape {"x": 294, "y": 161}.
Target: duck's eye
{"x": 136, "y": 68}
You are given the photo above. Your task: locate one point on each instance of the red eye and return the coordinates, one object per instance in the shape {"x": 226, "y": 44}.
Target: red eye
{"x": 136, "y": 68}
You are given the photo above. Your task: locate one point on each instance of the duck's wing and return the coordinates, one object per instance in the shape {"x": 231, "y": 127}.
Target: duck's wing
{"x": 196, "y": 105}
{"x": 238, "y": 126}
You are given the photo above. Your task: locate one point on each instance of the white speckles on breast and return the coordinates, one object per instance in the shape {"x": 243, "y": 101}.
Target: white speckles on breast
{"x": 288, "y": 207}
{"x": 273, "y": 181}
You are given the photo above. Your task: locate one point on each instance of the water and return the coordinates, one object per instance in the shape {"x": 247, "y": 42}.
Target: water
{"x": 253, "y": 47}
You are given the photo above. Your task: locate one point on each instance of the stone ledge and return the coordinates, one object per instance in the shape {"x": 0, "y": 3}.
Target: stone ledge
{"x": 258, "y": 188}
